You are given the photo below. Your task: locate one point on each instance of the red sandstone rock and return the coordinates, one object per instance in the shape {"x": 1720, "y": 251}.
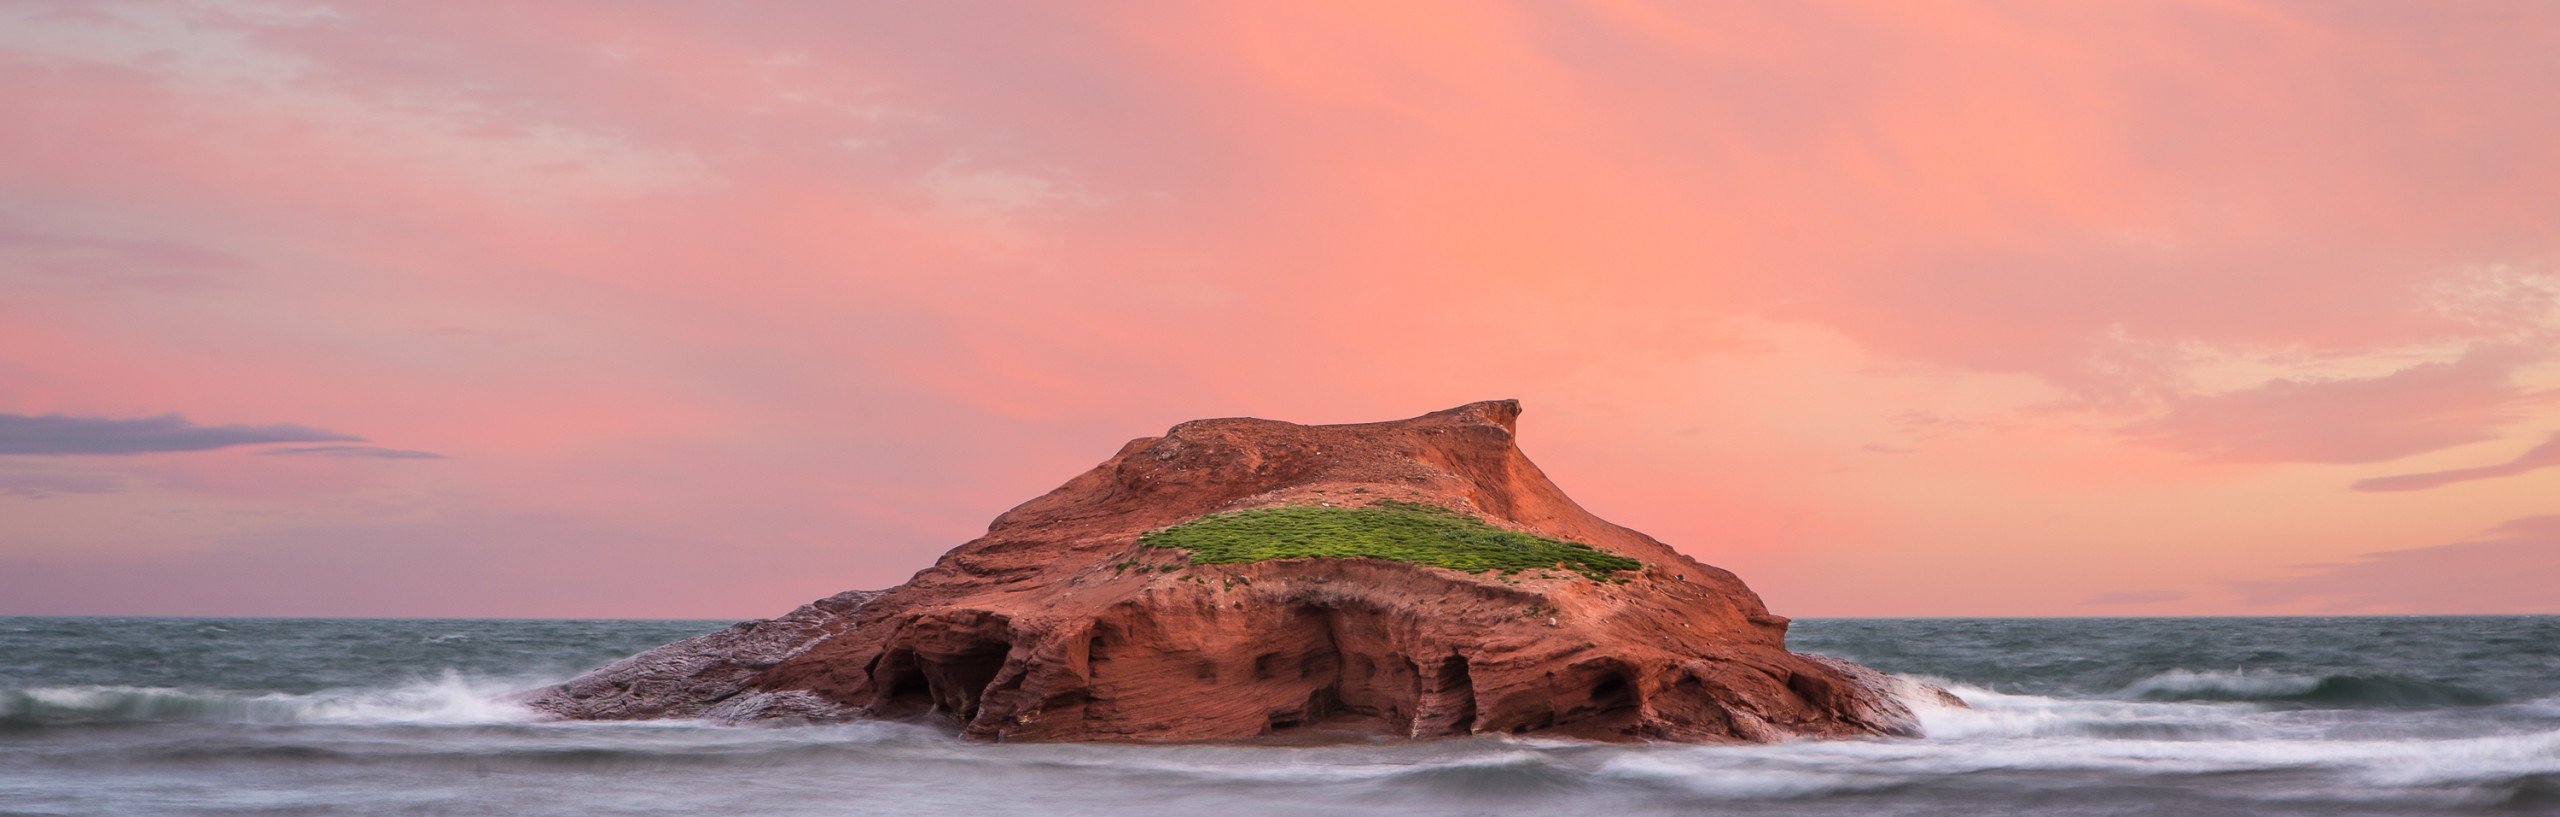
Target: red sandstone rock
{"x": 1032, "y": 633}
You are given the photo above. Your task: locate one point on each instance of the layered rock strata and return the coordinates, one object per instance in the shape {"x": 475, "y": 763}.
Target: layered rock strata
{"x": 1059, "y": 624}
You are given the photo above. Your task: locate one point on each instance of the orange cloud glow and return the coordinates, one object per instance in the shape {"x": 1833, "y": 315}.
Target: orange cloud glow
{"x": 1894, "y": 309}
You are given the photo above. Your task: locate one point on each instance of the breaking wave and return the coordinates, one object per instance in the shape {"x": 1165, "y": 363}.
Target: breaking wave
{"x": 449, "y": 698}
{"x": 2227, "y": 724}
{"x": 158, "y": 717}
{"x": 2326, "y": 691}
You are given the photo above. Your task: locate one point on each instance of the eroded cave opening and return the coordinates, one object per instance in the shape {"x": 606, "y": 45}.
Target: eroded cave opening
{"x": 1611, "y": 701}
{"x": 1267, "y": 666}
{"x": 903, "y": 691}
{"x": 1445, "y": 706}
{"x": 958, "y": 681}
{"x": 1341, "y": 667}
{"x": 1099, "y": 647}
{"x": 1610, "y": 695}
{"x": 1305, "y": 663}
{"x": 911, "y": 683}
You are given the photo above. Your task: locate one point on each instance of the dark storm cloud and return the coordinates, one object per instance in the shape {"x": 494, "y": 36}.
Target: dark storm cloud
{"x": 61, "y": 434}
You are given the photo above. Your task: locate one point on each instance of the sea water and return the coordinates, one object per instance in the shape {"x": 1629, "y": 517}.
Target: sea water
{"x": 2280, "y": 716}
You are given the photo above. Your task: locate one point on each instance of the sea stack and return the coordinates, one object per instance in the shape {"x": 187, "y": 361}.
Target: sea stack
{"x": 1245, "y": 578}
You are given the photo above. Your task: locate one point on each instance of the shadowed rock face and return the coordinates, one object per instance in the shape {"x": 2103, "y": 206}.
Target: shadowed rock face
{"x": 1059, "y": 625}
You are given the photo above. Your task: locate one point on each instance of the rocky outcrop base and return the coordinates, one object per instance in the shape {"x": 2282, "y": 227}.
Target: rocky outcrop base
{"x": 1060, "y": 624}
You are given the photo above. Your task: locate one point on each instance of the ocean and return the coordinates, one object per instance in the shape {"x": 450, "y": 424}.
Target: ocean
{"x": 160, "y": 717}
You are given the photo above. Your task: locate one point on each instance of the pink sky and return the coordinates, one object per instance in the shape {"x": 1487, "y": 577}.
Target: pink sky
{"x": 674, "y": 309}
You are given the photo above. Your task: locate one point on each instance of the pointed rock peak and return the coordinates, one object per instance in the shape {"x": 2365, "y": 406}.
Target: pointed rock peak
{"x": 1504, "y": 413}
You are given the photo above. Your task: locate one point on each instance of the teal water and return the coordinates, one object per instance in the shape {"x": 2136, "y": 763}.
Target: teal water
{"x": 2325, "y": 716}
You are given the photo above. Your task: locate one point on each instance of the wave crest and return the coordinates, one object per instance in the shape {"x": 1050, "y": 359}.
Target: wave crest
{"x": 450, "y": 698}
{"x": 2342, "y": 691}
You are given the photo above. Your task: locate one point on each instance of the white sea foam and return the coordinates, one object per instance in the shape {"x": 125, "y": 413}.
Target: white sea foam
{"x": 1252, "y": 764}
{"x": 2427, "y": 770}
{"x": 449, "y": 698}
{"x": 1731, "y": 781}
{"x": 1992, "y": 714}
{"x": 2013, "y": 732}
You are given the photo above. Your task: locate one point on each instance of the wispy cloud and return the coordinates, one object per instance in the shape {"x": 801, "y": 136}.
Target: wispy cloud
{"x": 150, "y": 263}
{"x": 2134, "y": 597}
{"x": 2421, "y": 408}
{"x": 2510, "y": 568}
{"x": 43, "y": 484}
{"x": 2539, "y": 457}
{"x": 352, "y": 451}
{"x": 899, "y": 255}
{"x": 64, "y": 435}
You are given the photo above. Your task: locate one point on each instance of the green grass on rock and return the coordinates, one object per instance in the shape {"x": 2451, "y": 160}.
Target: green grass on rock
{"x": 1396, "y": 531}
